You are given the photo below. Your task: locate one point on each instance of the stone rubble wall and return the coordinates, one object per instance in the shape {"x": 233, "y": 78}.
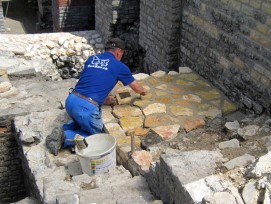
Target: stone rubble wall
{"x": 159, "y": 33}
{"x": 228, "y": 43}
{"x": 2, "y": 23}
{"x": 66, "y": 52}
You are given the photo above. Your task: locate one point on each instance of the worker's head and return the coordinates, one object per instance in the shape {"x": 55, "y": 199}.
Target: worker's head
{"x": 116, "y": 46}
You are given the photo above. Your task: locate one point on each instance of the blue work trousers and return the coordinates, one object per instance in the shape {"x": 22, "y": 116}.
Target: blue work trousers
{"x": 86, "y": 118}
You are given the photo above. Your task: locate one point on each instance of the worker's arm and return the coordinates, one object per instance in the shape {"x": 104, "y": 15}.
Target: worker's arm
{"x": 138, "y": 88}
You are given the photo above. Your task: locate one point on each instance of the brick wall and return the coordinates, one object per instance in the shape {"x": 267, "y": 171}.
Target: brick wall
{"x": 73, "y": 15}
{"x": 11, "y": 174}
{"x": 229, "y": 43}
{"x": 2, "y": 23}
{"x": 159, "y": 33}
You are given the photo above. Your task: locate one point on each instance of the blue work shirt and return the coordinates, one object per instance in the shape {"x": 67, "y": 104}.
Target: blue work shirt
{"x": 100, "y": 75}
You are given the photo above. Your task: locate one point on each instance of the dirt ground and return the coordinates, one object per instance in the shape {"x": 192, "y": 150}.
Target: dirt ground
{"x": 209, "y": 137}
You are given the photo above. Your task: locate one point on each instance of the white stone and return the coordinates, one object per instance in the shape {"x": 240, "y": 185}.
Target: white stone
{"x": 50, "y": 44}
{"x": 158, "y": 73}
{"x": 185, "y": 70}
{"x": 173, "y": 73}
{"x": 260, "y": 167}
{"x": 250, "y": 193}
{"x": 210, "y": 185}
{"x": 62, "y": 39}
{"x": 141, "y": 76}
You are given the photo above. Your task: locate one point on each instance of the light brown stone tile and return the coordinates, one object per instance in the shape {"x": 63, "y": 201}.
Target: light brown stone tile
{"x": 193, "y": 123}
{"x": 126, "y": 110}
{"x": 141, "y": 131}
{"x": 140, "y": 103}
{"x": 154, "y": 108}
{"x": 130, "y": 123}
{"x": 167, "y": 132}
{"x": 181, "y": 111}
{"x": 165, "y": 100}
{"x": 192, "y": 97}
{"x": 160, "y": 93}
{"x": 143, "y": 159}
{"x": 209, "y": 95}
{"x": 114, "y": 129}
{"x": 228, "y": 107}
{"x": 156, "y": 120}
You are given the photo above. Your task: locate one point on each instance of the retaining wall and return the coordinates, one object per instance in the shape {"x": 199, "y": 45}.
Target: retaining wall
{"x": 228, "y": 43}
{"x": 12, "y": 186}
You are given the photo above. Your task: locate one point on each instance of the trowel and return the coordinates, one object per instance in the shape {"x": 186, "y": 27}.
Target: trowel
{"x": 79, "y": 141}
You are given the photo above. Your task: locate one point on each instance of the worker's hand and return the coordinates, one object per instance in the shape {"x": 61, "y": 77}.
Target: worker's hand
{"x": 143, "y": 92}
{"x": 110, "y": 100}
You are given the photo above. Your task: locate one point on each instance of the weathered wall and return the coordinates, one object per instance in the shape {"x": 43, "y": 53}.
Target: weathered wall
{"x": 121, "y": 18}
{"x": 2, "y": 23}
{"x": 73, "y": 15}
{"x": 115, "y": 18}
{"x": 159, "y": 33}
{"x": 103, "y": 17}
{"x": 11, "y": 175}
{"x": 229, "y": 43}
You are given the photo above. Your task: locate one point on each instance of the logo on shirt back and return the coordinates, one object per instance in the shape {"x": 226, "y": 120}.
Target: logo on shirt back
{"x": 98, "y": 63}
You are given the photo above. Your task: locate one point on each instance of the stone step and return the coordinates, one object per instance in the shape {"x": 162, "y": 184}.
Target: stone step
{"x": 114, "y": 186}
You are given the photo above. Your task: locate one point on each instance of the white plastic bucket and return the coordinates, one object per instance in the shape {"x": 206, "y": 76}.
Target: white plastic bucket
{"x": 99, "y": 155}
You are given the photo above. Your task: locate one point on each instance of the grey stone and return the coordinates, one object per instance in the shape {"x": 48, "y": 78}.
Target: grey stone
{"x": 27, "y": 200}
{"x": 67, "y": 199}
{"x": 75, "y": 168}
{"x": 219, "y": 197}
{"x": 234, "y": 143}
{"x": 212, "y": 188}
{"x": 134, "y": 200}
{"x": 232, "y": 126}
{"x": 241, "y": 161}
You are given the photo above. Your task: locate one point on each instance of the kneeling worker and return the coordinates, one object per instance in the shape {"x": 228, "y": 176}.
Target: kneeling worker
{"x": 100, "y": 74}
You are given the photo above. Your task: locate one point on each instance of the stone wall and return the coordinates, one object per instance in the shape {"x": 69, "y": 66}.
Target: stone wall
{"x": 159, "y": 33}
{"x": 73, "y": 15}
{"x": 2, "y": 23}
{"x": 116, "y": 17}
{"x": 228, "y": 43}
{"x": 11, "y": 175}
{"x": 121, "y": 18}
